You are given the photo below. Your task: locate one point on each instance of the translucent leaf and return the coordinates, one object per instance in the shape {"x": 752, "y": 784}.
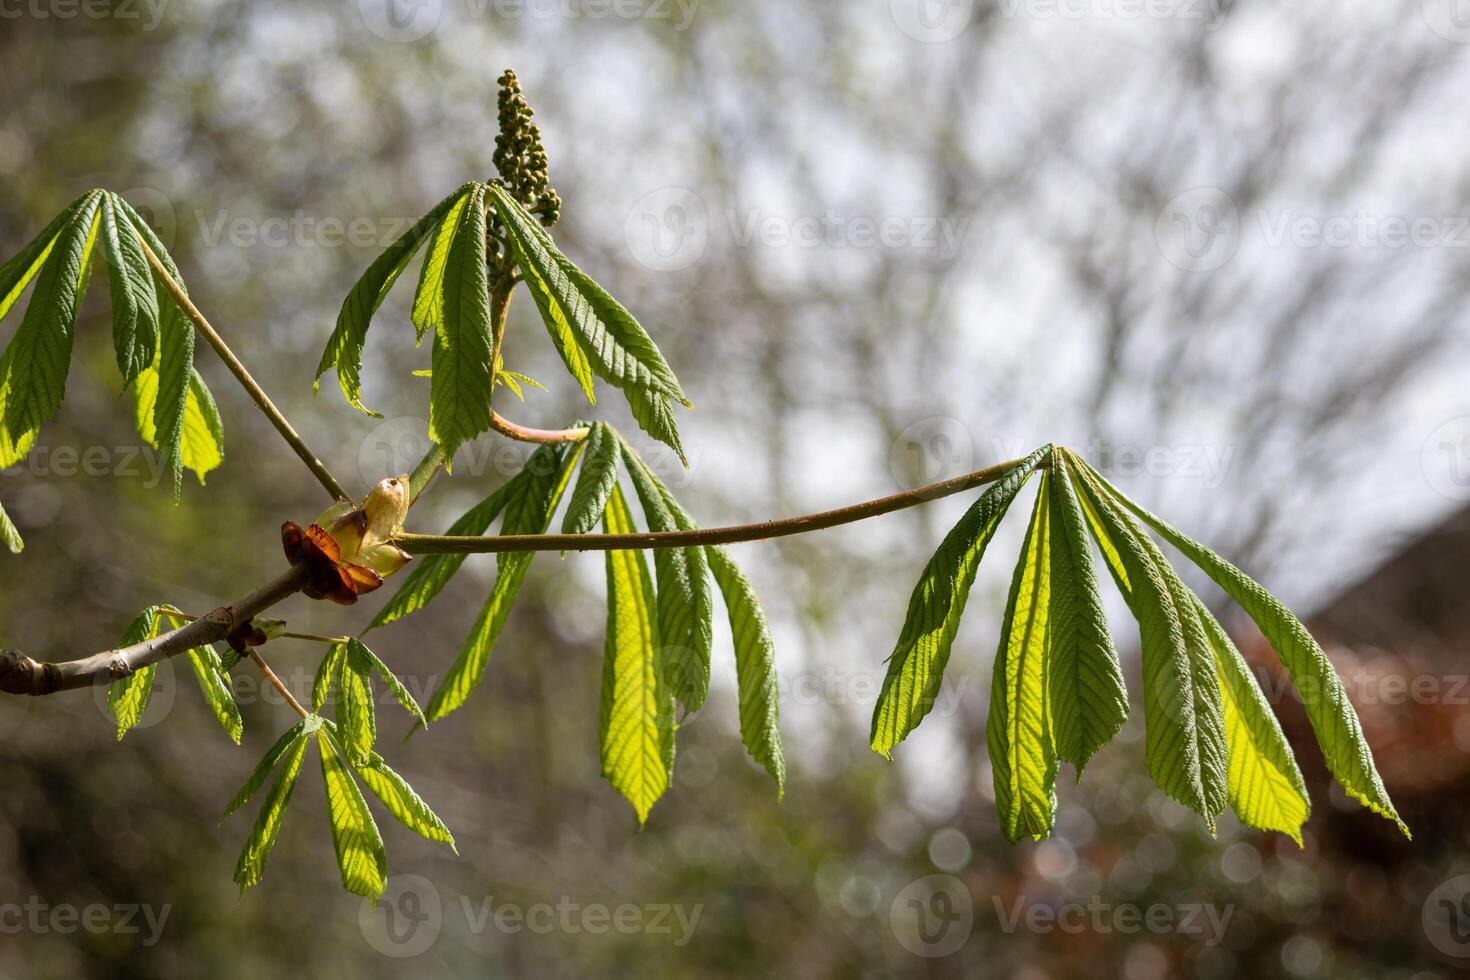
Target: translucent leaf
{"x": 201, "y": 435}
{"x": 344, "y": 347}
{"x": 9, "y": 536}
{"x": 407, "y": 807}
{"x": 135, "y": 312}
{"x": 359, "y": 846}
{"x": 916, "y": 666}
{"x": 356, "y": 648}
{"x": 428, "y": 297}
{"x": 528, "y": 510}
{"x": 128, "y": 696}
{"x": 291, "y": 739}
{"x": 357, "y": 716}
{"x": 17, "y": 273}
{"x": 637, "y": 708}
{"x": 595, "y": 480}
{"x": 1018, "y": 730}
{"x": 1089, "y": 704}
{"x": 459, "y": 393}
{"x": 209, "y": 671}
{"x": 326, "y": 673}
{"x": 755, "y": 666}
{"x": 251, "y": 866}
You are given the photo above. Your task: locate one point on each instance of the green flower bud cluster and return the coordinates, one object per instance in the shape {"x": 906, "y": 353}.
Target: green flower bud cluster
{"x": 519, "y": 155}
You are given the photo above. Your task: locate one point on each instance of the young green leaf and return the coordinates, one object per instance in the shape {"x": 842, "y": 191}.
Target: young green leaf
{"x": 637, "y": 710}
{"x": 685, "y": 598}
{"x": 356, "y": 648}
{"x": 1184, "y": 723}
{"x": 251, "y": 866}
{"x": 209, "y": 671}
{"x": 201, "y": 435}
{"x": 290, "y": 740}
{"x": 128, "y": 697}
{"x": 590, "y": 329}
{"x": 1266, "y": 787}
{"x": 134, "y": 300}
{"x": 459, "y": 391}
{"x": 406, "y": 805}
{"x": 344, "y": 347}
{"x": 916, "y": 666}
{"x": 39, "y": 356}
{"x": 168, "y": 386}
{"x": 357, "y": 716}
{"x": 359, "y": 846}
{"x": 528, "y": 510}
{"x": 1339, "y": 733}
{"x": 1088, "y": 701}
{"x": 9, "y": 536}
{"x": 17, "y": 273}
{"x": 430, "y": 574}
{"x": 755, "y": 667}
{"x": 595, "y": 481}
{"x": 1019, "y": 728}
{"x": 428, "y": 297}
{"x": 326, "y": 673}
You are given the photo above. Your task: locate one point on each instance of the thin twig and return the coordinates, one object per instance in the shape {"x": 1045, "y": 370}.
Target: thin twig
{"x": 252, "y": 388}
{"x": 427, "y": 544}
{"x": 276, "y": 682}
{"x": 524, "y": 433}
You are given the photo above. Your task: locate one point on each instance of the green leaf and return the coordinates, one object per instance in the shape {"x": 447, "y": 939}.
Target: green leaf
{"x": 430, "y": 574}
{"x": 406, "y": 805}
{"x": 209, "y": 671}
{"x": 17, "y": 273}
{"x": 39, "y": 356}
{"x": 685, "y": 599}
{"x": 1184, "y": 719}
{"x": 428, "y": 298}
{"x": 916, "y": 666}
{"x": 356, "y": 648}
{"x": 637, "y": 707}
{"x": 293, "y": 738}
{"x": 9, "y": 536}
{"x": 1089, "y": 704}
{"x": 528, "y": 510}
{"x": 251, "y": 866}
{"x": 595, "y": 481}
{"x": 755, "y": 667}
{"x": 459, "y": 392}
{"x": 1348, "y": 756}
{"x": 326, "y": 672}
{"x": 128, "y": 697}
{"x": 359, "y": 846}
{"x": 201, "y": 434}
{"x": 135, "y": 313}
{"x": 1266, "y": 787}
{"x": 175, "y": 372}
{"x": 1019, "y": 728}
{"x": 344, "y": 347}
{"x": 590, "y": 330}
{"x": 357, "y": 716}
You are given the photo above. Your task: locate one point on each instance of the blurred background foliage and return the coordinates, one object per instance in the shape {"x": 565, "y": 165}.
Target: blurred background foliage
{"x": 1292, "y": 399}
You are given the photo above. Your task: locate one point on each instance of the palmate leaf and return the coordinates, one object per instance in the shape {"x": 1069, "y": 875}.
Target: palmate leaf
{"x": 528, "y": 510}
{"x": 1338, "y": 731}
{"x": 1018, "y": 730}
{"x": 251, "y": 865}
{"x": 355, "y": 837}
{"x": 685, "y": 597}
{"x": 459, "y": 392}
{"x": 596, "y": 480}
{"x": 591, "y": 331}
{"x": 1184, "y": 725}
{"x": 128, "y": 697}
{"x": 36, "y": 363}
{"x": 916, "y": 666}
{"x": 344, "y": 347}
{"x": 9, "y": 536}
{"x": 135, "y": 310}
{"x": 637, "y": 707}
{"x": 1089, "y": 703}
{"x": 357, "y": 715}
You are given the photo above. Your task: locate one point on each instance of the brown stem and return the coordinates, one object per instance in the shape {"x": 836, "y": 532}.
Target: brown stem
{"x": 276, "y": 682}
{"x": 427, "y": 544}
{"x": 20, "y": 674}
{"x": 523, "y": 433}
{"x": 256, "y": 393}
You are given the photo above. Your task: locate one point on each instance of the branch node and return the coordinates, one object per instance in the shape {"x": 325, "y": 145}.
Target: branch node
{"x": 20, "y": 674}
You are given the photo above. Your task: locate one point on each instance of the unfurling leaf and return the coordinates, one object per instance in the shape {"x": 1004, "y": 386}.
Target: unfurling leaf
{"x": 359, "y": 846}
{"x": 289, "y": 740}
{"x": 357, "y": 717}
{"x": 755, "y": 667}
{"x": 407, "y": 807}
{"x": 135, "y": 311}
{"x": 251, "y": 866}
{"x": 209, "y": 671}
{"x": 327, "y": 672}
{"x": 595, "y": 481}
{"x": 459, "y": 392}
{"x": 916, "y": 666}
{"x": 637, "y": 707}
{"x": 128, "y": 697}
